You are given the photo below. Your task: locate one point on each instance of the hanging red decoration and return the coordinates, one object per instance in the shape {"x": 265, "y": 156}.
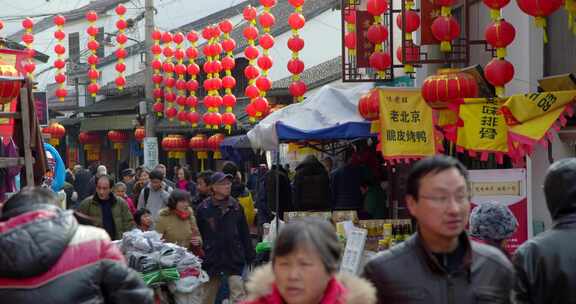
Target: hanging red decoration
{"x": 198, "y": 144}
{"x": 180, "y": 69}
{"x": 59, "y": 63}
{"x": 350, "y": 36}
{"x": 121, "y": 53}
{"x": 192, "y": 84}
{"x": 409, "y": 23}
{"x": 499, "y": 72}
{"x": 369, "y": 105}
{"x": 157, "y": 78}
{"x": 445, "y": 29}
{"x": 380, "y": 60}
{"x": 448, "y": 87}
{"x": 495, "y": 7}
{"x": 55, "y": 131}
{"x": 412, "y": 54}
{"x": 213, "y": 144}
{"x": 169, "y": 81}
{"x": 296, "y": 44}
{"x": 540, "y": 9}
{"x": 212, "y": 68}
{"x": 228, "y": 81}
{"x": 251, "y": 52}
{"x": 139, "y": 134}
{"x": 28, "y": 39}
{"x": 176, "y": 146}
{"x": 93, "y": 46}
{"x": 266, "y": 41}
{"x": 377, "y": 7}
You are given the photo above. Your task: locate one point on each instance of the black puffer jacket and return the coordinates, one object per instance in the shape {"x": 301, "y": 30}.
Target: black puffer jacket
{"x": 545, "y": 267}
{"x": 46, "y": 257}
{"x": 311, "y": 186}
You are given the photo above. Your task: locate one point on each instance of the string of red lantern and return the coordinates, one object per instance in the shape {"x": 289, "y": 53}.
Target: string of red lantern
{"x": 213, "y": 83}
{"x": 169, "y": 81}
{"x": 28, "y": 39}
{"x": 157, "y": 78}
{"x": 350, "y": 37}
{"x": 266, "y": 41}
{"x": 251, "y": 52}
{"x": 192, "y": 84}
{"x": 412, "y": 22}
{"x": 59, "y": 63}
{"x": 180, "y": 69}
{"x": 228, "y": 81}
{"x": 540, "y": 9}
{"x": 93, "y": 45}
{"x": 499, "y": 34}
{"x": 445, "y": 28}
{"x": 121, "y": 53}
{"x": 377, "y": 34}
{"x": 296, "y": 44}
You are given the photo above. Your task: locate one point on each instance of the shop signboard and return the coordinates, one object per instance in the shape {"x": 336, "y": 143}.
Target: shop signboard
{"x": 507, "y": 186}
{"x": 151, "y": 152}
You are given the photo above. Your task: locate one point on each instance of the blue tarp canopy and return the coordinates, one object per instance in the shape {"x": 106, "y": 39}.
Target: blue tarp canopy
{"x": 349, "y": 130}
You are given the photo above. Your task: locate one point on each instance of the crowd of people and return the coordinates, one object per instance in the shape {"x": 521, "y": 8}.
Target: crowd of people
{"x": 53, "y": 255}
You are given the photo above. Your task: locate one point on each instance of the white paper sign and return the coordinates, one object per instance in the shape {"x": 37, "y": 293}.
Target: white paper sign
{"x": 150, "y": 152}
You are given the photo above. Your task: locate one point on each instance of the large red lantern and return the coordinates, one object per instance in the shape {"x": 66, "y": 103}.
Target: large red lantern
{"x": 495, "y": 7}
{"x": 412, "y": 23}
{"x": 448, "y": 87}
{"x": 412, "y": 55}
{"x": 540, "y": 9}
{"x": 55, "y": 131}
{"x": 10, "y": 87}
{"x": 199, "y": 144}
{"x": 176, "y": 146}
{"x": 119, "y": 140}
{"x": 214, "y": 142}
{"x": 91, "y": 142}
{"x": 500, "y": 35}
{"x": 445, "y": 29}
{"x": 369, "y": 105}
{"x": 499, "y": 72}
{"x": 377, "y": 7}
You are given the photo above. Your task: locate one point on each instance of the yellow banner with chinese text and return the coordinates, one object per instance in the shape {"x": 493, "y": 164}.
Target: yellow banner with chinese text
{"x": 484, "y": 129}
{"x": 521, "y": 108}
{"x": 407, "y": 128}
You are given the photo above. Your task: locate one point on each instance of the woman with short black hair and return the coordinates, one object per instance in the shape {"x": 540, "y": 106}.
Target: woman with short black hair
{"x": 177, "y": 223}
{"x": 305, "y": 261}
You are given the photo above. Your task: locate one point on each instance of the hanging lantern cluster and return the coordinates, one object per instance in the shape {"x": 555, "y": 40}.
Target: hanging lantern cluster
{"x": 213, "y": 144}
{"x": 176, "y": 146}
{"x": 350, "y": 36}
{"x": 93, "y": 45}
{"x": 55, "y": 131}
{"x": 91, "y": 142}
{"x": 9, "y": 89}
{"x": 445, "y": 28}
{"x": 180, "y": 69}
{"x": 28, "y": 40}
{"x": 251, "y": 53}
{"x": 540, "y": 9}
{"x": 266, "y": 41}
{"x": 377, "y": 34}
{"x": 499, "y": 34}
{"x": 571, "y": 10}
{"x": 412, "y": 24}
{"x": 121, "y": 53}
{"x": 212, "y": 67}
{"x": 60, "y": 63}
{"x": 140, "y": 134}
{"x": 296, "y": 44}
{"x": 119, "y": 139}
{"x": 199, "y": 144}
{"x": 228, "y": 81}
{"x": 157, "y": 78}
{"x": 448, "y": 88}
{"x": 369, "y": 105}
{"x": 169, "y": 80}
{"x": 192, "y": 85}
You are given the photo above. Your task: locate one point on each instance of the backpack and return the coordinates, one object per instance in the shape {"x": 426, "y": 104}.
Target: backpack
{"x": 146, "y": 196}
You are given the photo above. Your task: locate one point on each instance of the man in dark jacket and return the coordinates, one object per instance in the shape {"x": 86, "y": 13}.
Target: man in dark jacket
{"x": 266, "y": 198}
{"x": 226, "y": 239}
{"x": 47, "y": 257}
{"x": 82, "y": 179}
{"x": 545, "y": 267}
{"x": 311, "y": 186}
{"x": 439, "y": 264}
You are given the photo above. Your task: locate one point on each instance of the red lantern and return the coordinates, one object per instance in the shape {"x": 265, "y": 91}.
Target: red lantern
{"x": 228, "y": 120}
{"x": 88, "y": 138}
{"x": 267, "y": 20}
{"x": 226, "y": 26}
{"x": 61, "y": 93}
{"x": 249, "y": 13}
{"x": 350, "y": 41}
{"x": 377, "y": 33}
{"x": 252, "y": 91}
{"x": 295, "y": 44}
{"x": 59, "y": 20}
{"x": 499, "y": 72}
{"x": 56, "y": 131}
{"x": 263, "y": 83}
{"x": 500, "y": 35}
{"x": 194, "y": 118}
{"x": 445, "y": 29}
{"x": 91, "y": 16}
{"x": 448, "y": 87}
{"x": 297, "y": 88}
{"x": 139, "y": 134}
{"x": 229, "y": 101}
{"x": 268, "y": 3}
{"x": 28, "y": 23}
{"x": 229, "y": 45}
{"x": 540, "y": 9}
{"x": 369, "y": 105}
{"x": 296, "y": 21}
{"x": 412, "y": 55}
{"x": 377, "y": 7}
{"x": 213, "y": 143}
{"x": 251, "y": 52}
{"x": 412, "y": 21}
{"x": 251, "y": 32}
{"x": 171, "y": 112}
{"x": 93, "y": 88}
{"x": 118, "y": 136}
{"x": 295, "y": 66}
{"x": 59, "y": 64}
{"x": 380, "y": 61}
{"x": 266, "y": 41}
{"x": 158, "y": 107}
{"x": 228, "y": 82}
{"x": 251, "y": 72}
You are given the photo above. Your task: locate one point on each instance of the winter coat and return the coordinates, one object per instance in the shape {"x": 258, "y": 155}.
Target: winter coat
{"x": 188, "y": 186}
{"x": 123, "y": 220}
{"x": 176, "y": 230}
{"x": 311, "y": 186}
{"x": 225, "y": 236}
{"x": 409, "y": 273}
{"x": 266, "y": 200}
{"x": 48, "y": 258}
{"x": 82, "y": 184}
{"x": 345, "y": 184}
{"x": 343, "y": 289}
{"x": 156, "y": 200}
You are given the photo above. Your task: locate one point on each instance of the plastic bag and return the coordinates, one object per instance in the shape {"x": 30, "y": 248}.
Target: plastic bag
{"x": 190, "y": 283}
{"x": 271, "y": 235}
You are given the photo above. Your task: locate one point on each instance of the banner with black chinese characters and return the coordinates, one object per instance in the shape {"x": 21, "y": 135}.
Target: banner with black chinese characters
{"x": 407, "y": 127}
{"x": 532, "y": 118}
{"x": 484, "y": 128}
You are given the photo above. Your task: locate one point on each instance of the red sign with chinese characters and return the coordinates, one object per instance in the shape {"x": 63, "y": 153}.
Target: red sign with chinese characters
{"x": 364, "y": 47}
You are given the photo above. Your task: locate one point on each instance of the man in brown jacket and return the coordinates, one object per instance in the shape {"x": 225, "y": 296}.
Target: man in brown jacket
{"x": 439, "y": 264}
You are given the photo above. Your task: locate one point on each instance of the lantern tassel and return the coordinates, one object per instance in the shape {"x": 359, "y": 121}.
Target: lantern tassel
{"x": 446, "y": 11}
{"x": 500, "y": 91}
{"x": 541, "y": 23}
{"x": 408, "y": 69}
{"x": 501, "y": 53}
{"x": 375, "y": 127}
{"x": 445, "y": 46}
{"x": 409, "y": 36}
{"x": 495, "y": 14}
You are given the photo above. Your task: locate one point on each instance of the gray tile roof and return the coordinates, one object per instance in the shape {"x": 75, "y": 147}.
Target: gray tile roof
{"x": 314, "y": 77}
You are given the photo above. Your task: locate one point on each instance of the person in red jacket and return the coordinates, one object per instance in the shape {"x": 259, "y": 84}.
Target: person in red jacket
{"x": 47, "y": 257}
{"x": 304, "y": 267}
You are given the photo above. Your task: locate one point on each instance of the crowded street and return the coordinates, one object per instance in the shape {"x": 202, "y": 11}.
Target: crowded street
{"x": 288, "y": 151}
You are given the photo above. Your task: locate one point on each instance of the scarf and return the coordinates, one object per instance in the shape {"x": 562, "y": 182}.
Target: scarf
{"x": 183, "y": 215}
{"x": 182, "y": 185}
{"x": 335, "y": 293}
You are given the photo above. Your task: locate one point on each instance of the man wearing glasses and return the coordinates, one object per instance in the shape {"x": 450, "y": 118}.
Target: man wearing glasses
{"x": 439, "y": 264}
{"x": 226, "y": 239}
